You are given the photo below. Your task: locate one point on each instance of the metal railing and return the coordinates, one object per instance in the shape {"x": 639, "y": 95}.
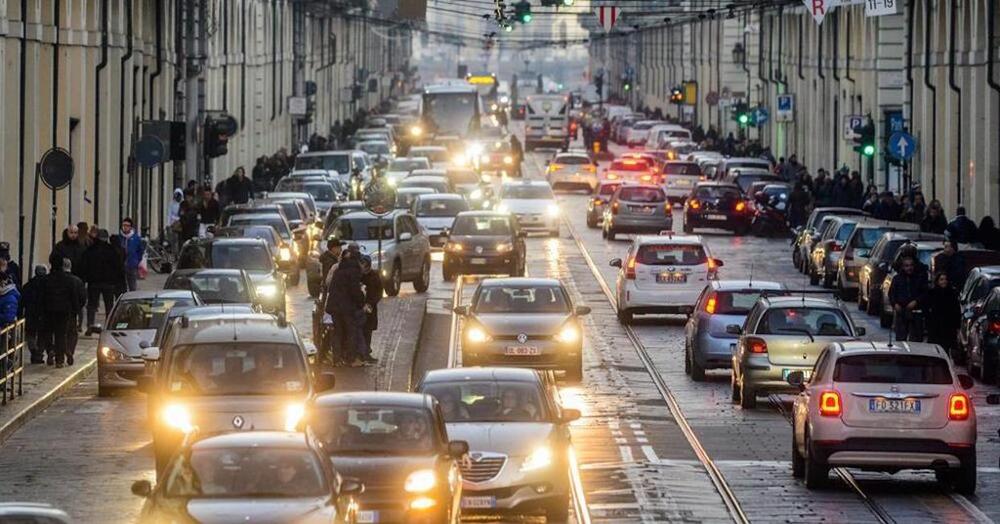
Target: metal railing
{"x": 12, "y": 361}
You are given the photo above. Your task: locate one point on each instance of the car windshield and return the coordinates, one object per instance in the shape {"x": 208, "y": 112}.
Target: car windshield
{"x": 213, "y": 288}
{"x": 573, "y": 160}
{"x": 866, "y": 237}
{"x": 441, "y": 207}
{"x": 362, "y": 229}
{"x": 528, "y": 192}
{"x": 409, "y": 164}
{"x": 274, "y": 221}
{"x": 250, "y": 257}
{"x": 237, "y": 368}
{"x": 249, "y": 473}
{"x": 845, "y": 231}
{"x": 374, "y": 148}
{"x": 481, "y": 225}
{"x": 671, "y": 255}
{"x": 892, "y": 369}
{"x": 488, "y": 401}
{"x": 144, "y": 313}
{"x": 713, "y": 192}
{"x": 291, "y": 209}
{"x": 265, "y": 233}
{"x": 671, "y": 168}
{"x": 404, "y": 199}
{"x": 341, "y": 163}
{"x": 802, "y": 320}
{"x": 376, "y": 430}
{"x": 520, "y": 299}
{"x": 642, "y": 194}
{"x": 463, "y": 176}
{"x": 733, "y": 302}
{"x": 608, "y": 189}
{"x": 320, "y": 192}
{"x": 434, "y": 155}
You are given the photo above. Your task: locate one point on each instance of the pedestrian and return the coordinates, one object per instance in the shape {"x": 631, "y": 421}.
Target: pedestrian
{"x": 239, "y": 187}
{"x": 941, "y": 304}
{"x": 75, "y": 322}
{"x": 934, "y": 220}
{"x": 188, "y": 219}
{"x": 260, "y": 175}
{"x": 798, "y": 205}
{"x": 373, "y": 294}
{"x": 92, "y": 234}
{"x": 918, "y": 209}
{"x": 102, "y": 270}
{"x": 209, "y": 212}
{"x": 331, "y": 256}
{"x": 83, "y": 228}
{"x": 60, "y": 304}
{"x": 9, "y": 268}
{"x": 10, "y": 302}
{"x": 32, "y": 311}
{"x": 906, "y": 291}
{"x": 841, "y": 192}
{"x": 856, "y": 189}
{"x": 70, "y": 246}
{"x": 336, "y": 130}
{"x": 886, "y": 208}
{"x": 951, "y": 262}
{"x": 345, "y": 303}
{"x": 989, "y": 235}
{"x": 134, "y": 248}
{"x": 962, "y": 229}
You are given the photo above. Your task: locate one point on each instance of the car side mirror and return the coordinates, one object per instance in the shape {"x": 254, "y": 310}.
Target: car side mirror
{"x": 461, "y": 310}
{"x": 151, "y": 353}
{"x": 458, "y": 449}
{"x": 797, "y": 379}
{"x": 615, "y": 262}
{"x": 860, "y": 331}
{"x": 351, "y": 486}
{"x": 883, "y": 266}
{"x": 582, "y": 310}
{"x": 569, "y": 415}
{"x": 966, "y": 381}
{"x": 96, "y": 328}
{"x": 734, "y": 329}
{"x": 326, "y": 381}
{"x": 142, "y": 488}
{"x": 143, "y": 344}
{"x": 718, "y": 263}
{"x": 993, "y": 399}
{"x": 405, "y": 236}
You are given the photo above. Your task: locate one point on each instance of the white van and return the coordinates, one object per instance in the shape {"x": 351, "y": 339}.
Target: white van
{"x": 546, "y": 121}
{"x": 661, "y": 135}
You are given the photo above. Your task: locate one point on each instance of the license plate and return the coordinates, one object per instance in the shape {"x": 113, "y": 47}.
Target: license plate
{"x": 522, "y": 351}
{"x": 671, "y": 278}
{"x": 478, "y": 261}
{"x": 894, "y": 405}
{"x": 716, "y": 217}
{"x": 479, "y": 502}
{"x": 367, "y": 517}
{"x": 643, "y": 210}
{"x": 680, "y": 182}
{"x": 806, "y": 373}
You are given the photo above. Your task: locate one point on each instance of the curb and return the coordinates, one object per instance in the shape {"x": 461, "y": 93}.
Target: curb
{"x": 31, "y": 410}
{"x": 417, "y": 348}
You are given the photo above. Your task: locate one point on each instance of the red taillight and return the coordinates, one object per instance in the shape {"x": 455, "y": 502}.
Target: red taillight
{"x": 836, "y": 246}
{"x": 740, "y": 206}
{"x": 694, "y": 204}
{"x": 710, "y": 305}
{"x": 614, "y": 208}
{"x": 630, "y": 268}
{"x": 592, "y": 168}
{"x": 994, "y": 327}
{"x": 668, "y": 208}
{"x": 830, "y": 405}
{"x": 756, "y": 345}
{"x": 712, "y": 265}
{"x": 958, "y": 406}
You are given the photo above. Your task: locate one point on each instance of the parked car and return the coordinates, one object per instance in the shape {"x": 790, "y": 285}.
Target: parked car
{"x": 857, "y": 251}
{"x": 811, "y": 232}
{"x": 972, "y": 297}
{"x": 826, "y": 252}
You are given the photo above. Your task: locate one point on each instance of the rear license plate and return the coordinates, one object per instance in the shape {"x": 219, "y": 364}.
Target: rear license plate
{"x": 671, "y": 278}
{"x": 806, "y": 373}
{"x": 522, "y": 351}
{"x": 368, "y": 517}
{"x": 894, "y": 405}
{"x": 716, "y": 217}
{"x": 477, "y": 261}
{"x": 643, "y": 210}
{"x": 479, "y": 502}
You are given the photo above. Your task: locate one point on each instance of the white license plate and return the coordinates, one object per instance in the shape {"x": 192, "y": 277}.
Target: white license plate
{"x": 643, "y": 210}
{"x": 894, "y": 405}
{"x": 479, "y": 502}
{"x": 716, "y": 217}
{"x": 671, "y": 278}
{"x": 477, "y": 261}
{"x": 805, "y": 373}
{"x": 522, "y": 351}
{"x": 367, "y": 517}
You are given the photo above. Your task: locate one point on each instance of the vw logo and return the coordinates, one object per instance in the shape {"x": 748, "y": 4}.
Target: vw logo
{"x": 479, "y": 250}
{"x": 522, "y": 338}
{"x": 238, "y": 422}
{"x": 670, "y": 268}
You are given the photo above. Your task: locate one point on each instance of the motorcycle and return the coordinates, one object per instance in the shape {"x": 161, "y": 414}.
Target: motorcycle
{"x": 769, "y": 217}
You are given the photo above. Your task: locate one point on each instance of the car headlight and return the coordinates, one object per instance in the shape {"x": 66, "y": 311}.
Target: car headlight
{"x": 112, "y": 355}
{"x": 475, "y": 149}
{"x": 285, "y": 254}
{"x": 177, "y": 417}
{"x": 540, "y": 458}
{"x": 420, "y": 481}
{"x": 293, "y": 415}
{"x": 460, "y": 159}
{"x": 486, "y": 178}
{"x": 476, "y": 335}
{"x": 507, "y": 159}
{"x": 503, "y": 208}
{"x": 267, "y": 290}
{"x": 504, "y": 100}
{"x": 454, "y": 246}
{"x": 416, "y": 130}
{"x": 568, "y": 334}
{"x": 476, "y": 194}
{"x": 504, "y": 247}
{"x": 485, "y": 159}
{"x": 493, "y": 107}
{"x": 552, "y": 210}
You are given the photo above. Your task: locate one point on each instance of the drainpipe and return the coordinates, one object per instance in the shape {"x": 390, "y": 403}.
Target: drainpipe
{"x": 799, "y": 48}
{"x": 911, "y": 15}
{"x": 55, "y": 110}
{"x": 274, "y": 59}
{"x": 97, "y": 109}
{"x": 225, "y": 56}
{"x": 121, "y": 109}
{"x": 953, "y": 84}
{"x": 847, "y": 55}
{"x": 991, "y": 9}
{"x": 834, "y": 67}
{"x": 243, "y": 69}
{"x": 781, "y": 38}
{"x": 21, "y": 133}
{"x": 766, "y": 88}
{"x": 152, "y": 92}
{"x": 933, "y": 90}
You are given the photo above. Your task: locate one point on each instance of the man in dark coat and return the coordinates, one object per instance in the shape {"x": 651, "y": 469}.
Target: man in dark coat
{"x": 331, "y": 256}
{"x": 345, "y": 302}
{"x": 209, "y": 212}
{"x": 33, "y": 313}
{"x": 906, "y": 291}
{"x": 962, "y": 229}
{"x": 239, "y": 187}
{"x": 103, "y": 268}
{"x": 70, "y": 246}
{"x": 188, "y": 218}
{"x": 60, "y": 304}
{"x": 373, "y": 294}
{"x": 950, "y": 262}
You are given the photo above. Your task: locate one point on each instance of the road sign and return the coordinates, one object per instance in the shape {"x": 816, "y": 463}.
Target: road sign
{"x": 607, "y": 16}
{"x": 763, "y": 116}
{"x": 896, "y": 122}
{"x": 902, "y": 145}
{"x": 56, "y": 168}
{"x": 850, "y": 122}
{"x": 880, "y": 7}
{"x": 297, "y": 105}
{"x": 786, "y": 108}
{"x": 150, "y": 151}
{"x": 819, "y": 8}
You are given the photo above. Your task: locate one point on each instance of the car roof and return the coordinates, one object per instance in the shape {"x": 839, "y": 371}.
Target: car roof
{"x": 641, "y": 185}
{"x": 210, "y": 271}
{"x": 526, "y": 182}
{"x": 215, "y": 310}
{"x": 520, "y": 281}
{"x": 912, "y": 235}
{"x": 426, "y": 148}
{"x": 855, "y": 347}
{"x": 256, "y": 327}
{"x": 328, "y": 153}
{"x": 482, "y": 373}
{"x": 441, "y": 196}
{"x": 289, "y": 194}
{"x": 990, "y": 271}
{"x": 483, "y": 213}
{"x": 801, "y": 301}
{"x": 156, "y": 293}
{"x": 232, "y": 241}
{"x": 241, "y": 439}
{"x": 425, "y": 178}
{"x": 572, "y": 153}
{"x": 927, "y": 245}
{"x": 363, "y": 213}
{"x": 716, "y": 183}
{"x": 417, "y": 191}
{"x": 374, "y": 398}
{"x": 735, "y": 285}
{"x": 650, "y": 240}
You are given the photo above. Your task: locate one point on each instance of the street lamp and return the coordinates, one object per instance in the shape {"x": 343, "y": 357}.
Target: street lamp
{"x": 739, "y": 54}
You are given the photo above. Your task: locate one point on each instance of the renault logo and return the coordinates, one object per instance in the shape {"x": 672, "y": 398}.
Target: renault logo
{"x": 479, "y": 249}
{"x": 238, "y": 422}
{"x": 522, "y": 338}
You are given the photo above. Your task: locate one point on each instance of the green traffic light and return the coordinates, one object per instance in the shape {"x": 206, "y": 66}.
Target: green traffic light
{"x": 526, "y": 18}
{"x": 868, "y": 150}
{"x": 743, "y": 119}
{"x": 628, "y": 87}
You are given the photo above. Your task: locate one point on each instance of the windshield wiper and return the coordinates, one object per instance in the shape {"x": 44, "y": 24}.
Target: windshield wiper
{"x": 801, "y": 331}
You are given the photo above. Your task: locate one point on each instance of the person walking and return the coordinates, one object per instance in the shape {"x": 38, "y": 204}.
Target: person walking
{"x": 952, "y": 263}
{"x": 71, "y": 248}
{"x": 209, "y": 211}
{"x": 32, "y": 311}
{"x": 934, "y": 220}
{"x": 59, "y": 299}
{"x": 989, "y": 235}
{"x": 8, "y": 267}
{"x": 962, "y": 229}
{"x": 373, "y": 294}
{"x": 887, "y": 208}
{"x": 331, "y": 256}
{"x": 83, "y": 237}
{"x": 345, "y": 302}
{"x": 906, "y": 291}
{"x": 75, "y": 323}
{"x": 10, "y": 302}
{"x": 239, "y": 188}
{"x": 856, "y": 188}
{"x": 261, "y": 176}
{"x": 189, "y": 221}
{"x": 134, "y": 248}
{"x": 102, "y": 270}
{"x": 941, "y": 304}
{"x": 798, "y": 205}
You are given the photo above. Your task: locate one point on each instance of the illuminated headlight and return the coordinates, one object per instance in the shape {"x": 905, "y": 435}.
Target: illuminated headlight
{"x": 416, "y": 130}
{"x": 568, "y": 334}
{"x": 112, "y": 355}
{"x": 177, "y": 417}
{"x": 293, "y": 415}
{"x": 476, "y": 335}
{"x": 454, "y": 246}
{"x": 267, "y": 290}
{"x": 392, "y": 181}
{"x": 422, "y": 503}
{"x": 505, "y": 247}
{"x": 503, "y": 208}
{"x": 486, "y": 178}
{"x": 476, "y": 194}
{"x": 552, "y": 211}
{"x": 460, "y": 159}
{"x": 504, "y": 100}
{"x": 538, "y": 459}
{"x": 285, "y": 254}
{"x": 475, "y": 149}
{"x": 420, "y": 481}
{"x": 507, "y": 159}
{"x": 494, "y": 107}
{"x": 295, "y": 249}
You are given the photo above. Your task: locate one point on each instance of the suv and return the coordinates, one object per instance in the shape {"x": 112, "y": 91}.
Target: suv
{"x": 884, "y": 406}
{"x": 250, "y": 254}
{"x": 858, "y": 249}
{"x": 875, "y": 269}
{"x": 406, "y": 250}
{"x": 573, "y": 170}
{"x": 679, "y": 178}
{"x": 637, "y": 208}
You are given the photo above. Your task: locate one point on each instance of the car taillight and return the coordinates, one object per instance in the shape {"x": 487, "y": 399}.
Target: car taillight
{"x": 612, "y": 176}
{"x": 836, "y": 246}
{"x": 994, "y": 327}
{"x": 830, "y": 405}
{"x": 614, "y": 208}
{"x": 668, "y": 208}
{"x": 694, "y": 204}
{"x": 740, "y": 206}
{"x": 555, "y": 167}
{"x": 630, "y": 268}
{"x": 958, "y": 406}
{"x": 711, "y": 304}
{"x": 646, "y": 178}
{"x": 756, "y": 345}
{"x": 592, "y": 168}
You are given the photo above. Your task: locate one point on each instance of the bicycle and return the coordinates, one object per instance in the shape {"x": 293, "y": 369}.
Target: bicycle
{"x": 159, "y": 256}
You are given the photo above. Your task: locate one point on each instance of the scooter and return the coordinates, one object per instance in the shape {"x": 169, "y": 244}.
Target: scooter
{"x": 769, "y": 217}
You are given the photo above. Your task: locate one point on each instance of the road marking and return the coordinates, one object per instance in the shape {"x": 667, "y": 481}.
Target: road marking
{"x": 650, "y": 454}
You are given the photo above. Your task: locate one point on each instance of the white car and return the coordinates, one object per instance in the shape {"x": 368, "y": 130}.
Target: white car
{"x": 401, "y": 168}
{"x": 660, "y": 136}
{"x": 437, "y": 155}
{"x": 533, "y": 203}
{"x": 639, "y": 132}
{"x": 884, "y": 406}
{"x": 663, "y": 274}
{"x": 436, "y": 213}
{"x": 572, "y": 170}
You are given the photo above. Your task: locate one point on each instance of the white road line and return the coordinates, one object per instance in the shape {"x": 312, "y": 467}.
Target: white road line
{"x": 650, "y": 454}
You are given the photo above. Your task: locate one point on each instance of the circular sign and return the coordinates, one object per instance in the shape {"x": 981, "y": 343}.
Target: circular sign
{"x": 379, "y": 196}
{"x": 56, "y": 168}
{"x": 712, "y": 98}
{"x": 149, "y": 151}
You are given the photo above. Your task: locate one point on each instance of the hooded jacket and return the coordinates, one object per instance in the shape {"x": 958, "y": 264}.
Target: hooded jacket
{"x": 174, "y": 211}
{"x": 346, "y": 295}
{"x": 10, "y": 300}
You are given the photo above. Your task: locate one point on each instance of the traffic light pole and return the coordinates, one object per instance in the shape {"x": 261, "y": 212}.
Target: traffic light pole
{"x": 194, "y": 89}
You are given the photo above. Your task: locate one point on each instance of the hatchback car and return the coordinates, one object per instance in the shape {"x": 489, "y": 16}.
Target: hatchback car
{"x": 436, "y": 214}
{"x": 982, "y": 345}
{"x": 780, "y": 335}
{"x": 808, "y": 234}
{"x": 217, "y": 286}
{"x": 406, "y": 250}
{"x": 572, "y": 170}
{"x": 439, "y": 184}
{"x": 401, "y": 168}
{"x": 826, "y": 252}
{"x": 857, "y": 250}
{"x": 679, "y": 178}
{"x": 707, "y": 343}
{"x": 256, "y": 476}
{"x": 663, "y": 275}
{"x": 130, "y": 328}
{"x": 518, "y": 437}
{"x": 484, "y": 242}
{"x": 533, "y": 203}
{"x": 972, "y": 298}
{"x": 637, "y": 170}
{"x": 397, "y": 445}
{"x": 636, "y": 208}
{"x": 249, "y": 254}
{"x": 884, "y": 406}
{"x": 524, "y": 322}
{"x": 405, "y": 196}
{"x": 717, "y": 205}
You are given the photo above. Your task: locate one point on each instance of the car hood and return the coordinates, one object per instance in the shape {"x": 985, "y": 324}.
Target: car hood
{"x": 298, "y": 510}
{"x": 376, "y": 471}
{"x": 436, "y": 223}
{"x": 529, "y": 324}
{"x": 263, "y": 277}
{"x": 127, "y": 340}
{"x": 531, "y": 205}
{"x": 510, "y": 438}
{"x": 371, "y": 246}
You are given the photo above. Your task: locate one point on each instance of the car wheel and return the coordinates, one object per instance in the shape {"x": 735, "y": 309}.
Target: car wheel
{"x": 624, "y": 317}
{"x": 798, "y": 463}
{"x": 740, "y": 231}
{"x": 734, "y": 394}
{"x": 447, "y": 274}
{"x": 103, "y": 391}
{"x": 827, "y": 281}
{"x": 962, "y": 480}
{"x": 591, "y": 221}
{"x": 423, "y": 280}
{"x": 817, "y": 475}
{"x": 611, "y": 234}
{"x": 604, "y": 232}
{"x": 748, "y": 398}
{"x": 557, "y": 510}
{"x": 554, "y": 233}
{"x": 796, "y": 259}
{"x": 687, "y": 360}
{"x": 862, "y": 304}
{"x": 697, "y": 372}
{"x": 871, "y": 305}
{"x": 395, "y": 280}
{"x": 988, "y": 370}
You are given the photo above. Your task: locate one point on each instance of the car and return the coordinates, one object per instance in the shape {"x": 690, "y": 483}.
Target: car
{"x": 783, "y": 334}
{"x": 981, "y": 352}
{"x": 217, "y": 286}
{"x": 826, "y": 252}
{"x": 518, "y": 437}
{"x": 298, "y": 213}
{"x": 341, "y": 208}
{"x": 298, "y": 239}
{"x": 166, "y": 324}
{"x": 400, "y": 168}
{"x": 484, "y": 242}
{"x": 439, "y": 184}
{"x": 707, "y": 344}
{"x": 886, "y": 407}
{"x": 252, "y": 476}
{"x": 925, "y": 251}
{"x": 249, "y": 254}
{"x": 287, "y": 261}
{"x": 533, "y": 203}
{"x": 745, "y": 176}
{"x": 875, "y": 269}
{"x": 380, "y": 151}
{"x": 857, "y": 250}
{"x": 130, "y": 328}
{"x": 663, "y": 274}
{"x": 498, "y": 157}
{"x": 397, "y": 445}
{"x": 731, "y": 163}
{"x": 679, "y": 178}
{"x": 405, "y": 254}
{"x": 317, "y": 209}
{"x": 405, "y": 196}
{"x": 602, "y": 195}
{"x": 630, "y": 170}
{"x": 323, "y": 192}
{"x": 661, "y": 136}
{"x": 638, "y": 132}
{"x": 972, "y": 297}
{"x": 227, "y": 373}
{"x": 809, "y": 233}
{"x": 718, "y": 205}
{"x": 572, "y": 170}
{"x": 436, "y": 214}
{"x": 971, "y": 257}
{"x": 437, "y": 155}
{"x": 524, "y": 322}
{"x": 637, "y": 208}
{"x": 32, "y": 512}
{"x": 343, "y": 164}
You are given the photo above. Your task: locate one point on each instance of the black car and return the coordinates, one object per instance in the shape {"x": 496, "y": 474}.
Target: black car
{"x": 249, "y": 254}
{"x": 878, "y": 266}
{"x": 484, "y": 243}
{"x": 397, "y": 445}
{"x": 982, "y": 346}
{"x": 717, "y": 205}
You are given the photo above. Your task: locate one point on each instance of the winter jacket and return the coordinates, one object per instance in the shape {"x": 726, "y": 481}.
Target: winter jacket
{"x": 962, "y": 230}
{"x": 941, "y": 305}
{"x": 373, "y": 294}
{"x": 345, "y": 296}
{"x": 60, "y": 294}
{"x": 907, "y": 288}
{"x": 101, "y": 264}
{"x": 31, "y": 303}
{"x": 70, "y": 249}
{"x": 10, "y": 301}
{"x": 209, "y": 211}
{"x": 134, "y": 248}
{"x": 240, "y": 191}
{"x": 933, "y": 224}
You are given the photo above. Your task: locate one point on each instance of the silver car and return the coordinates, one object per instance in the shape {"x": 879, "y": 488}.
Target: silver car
{"x": 637, "y": 208}
{"x": 436, "y": 213}
{"x": 518, "y": 438}
{"x": 405, "y": 254}
{"x": 131, "y": 328}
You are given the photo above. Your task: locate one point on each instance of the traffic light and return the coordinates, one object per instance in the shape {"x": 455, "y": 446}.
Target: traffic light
{"x": 522, "y": 12}
{"x": 218, "y": 128}
{"x": 741, "y": 114}
{"x": 626, "y": 85}
{"x": 864, "y": 139}
{"x": 677, "y": 95}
